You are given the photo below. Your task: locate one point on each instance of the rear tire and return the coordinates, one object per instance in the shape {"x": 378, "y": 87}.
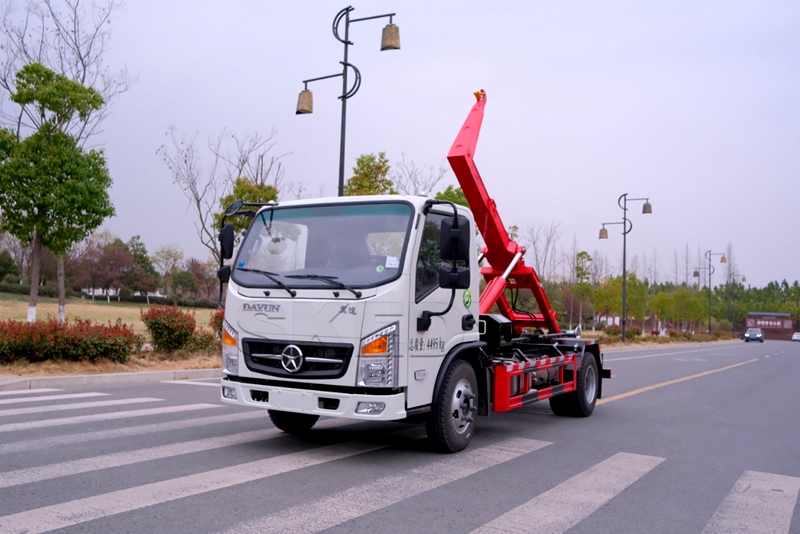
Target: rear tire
{"x": 452, "y": 421}
{"x": 292, "y": 423}
{"x": 581, "y": 402}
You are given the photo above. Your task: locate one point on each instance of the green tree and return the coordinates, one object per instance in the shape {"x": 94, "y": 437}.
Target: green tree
{"x": 140, "y": 256}
{"x": 7, "y": 267}
{"x": 663, "y": 305}
{"x": 53, "y": 193}
{"x": 370, "y": 176}
{"x": 454, "y": 195}
{"x": 183, "y": 282}
{"x": 249, "y": 191}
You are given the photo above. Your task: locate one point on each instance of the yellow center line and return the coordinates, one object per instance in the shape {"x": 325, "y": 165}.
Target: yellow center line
{"x": 670, "y": 382}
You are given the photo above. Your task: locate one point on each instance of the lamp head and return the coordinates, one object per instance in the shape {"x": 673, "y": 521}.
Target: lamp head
{"x": 696, "y": 274}
{"x": 305, "y": 102}
{"x": 723, "y": 259}
{"x": 744, "y": 279}
{"x": 647, "y": 208}
{"x": 603, "y": 233}
{"x": 390, "y": 39}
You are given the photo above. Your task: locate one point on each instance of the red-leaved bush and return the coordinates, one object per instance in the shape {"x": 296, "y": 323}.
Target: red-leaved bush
{"x": 169, "y": 327}
{"x": 71, "y": 340}
{"x": 217, "y": 316}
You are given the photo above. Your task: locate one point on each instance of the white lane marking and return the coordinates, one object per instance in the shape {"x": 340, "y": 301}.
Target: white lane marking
{"x": 82, "y": 510}
{"x": 9, "y": 427}
{"x": 106, "y": 461}
{"x": 53, "y": 397}
{"x": 73, "y": 439}
{"x": 759, "y": 503}
{"x": 561, "y": 508}
{"x": 360, "y": 500}
{"x": 28, "y": 391}
{"x": 75, "y": 406}
{"x": 192, "y": 383}
{"x": 656, "y": 355}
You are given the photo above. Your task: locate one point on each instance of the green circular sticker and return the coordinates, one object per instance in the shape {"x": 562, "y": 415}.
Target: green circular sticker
{"x": 467, "y": 298}
{"x": 379, "y": 268}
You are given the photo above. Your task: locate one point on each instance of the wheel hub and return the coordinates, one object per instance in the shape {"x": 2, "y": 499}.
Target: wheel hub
{"x": 462, "y": 406}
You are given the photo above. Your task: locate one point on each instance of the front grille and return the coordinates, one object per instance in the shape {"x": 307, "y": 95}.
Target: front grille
{"x": 320, "y": 360}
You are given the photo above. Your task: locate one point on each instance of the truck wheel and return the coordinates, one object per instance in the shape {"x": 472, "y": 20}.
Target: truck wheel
{"x": 292, "y": 423}
{"x": 579, "y": 403}
{"x": 451, "y": 422}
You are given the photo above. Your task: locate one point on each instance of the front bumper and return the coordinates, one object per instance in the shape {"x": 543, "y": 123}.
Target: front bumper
{"x": 312, "y": 401}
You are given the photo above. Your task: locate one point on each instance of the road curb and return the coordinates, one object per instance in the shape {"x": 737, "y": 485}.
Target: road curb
{"x": 107, "y": 379}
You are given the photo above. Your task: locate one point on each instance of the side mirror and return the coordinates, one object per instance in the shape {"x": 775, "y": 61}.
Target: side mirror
{"x": 233, "y": 207}
{"x": 224, "y": 274}
{"x": 226, "y": 241}
{"x": 454, "y": 280}
{"x": 454, "y": 240}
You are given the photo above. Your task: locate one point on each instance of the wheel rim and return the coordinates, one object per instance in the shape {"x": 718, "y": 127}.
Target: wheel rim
{"x": 590, "y": 383}
{"x": 461, "y": 406}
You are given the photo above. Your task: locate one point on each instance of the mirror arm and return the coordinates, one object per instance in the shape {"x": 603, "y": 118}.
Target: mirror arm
{"x": 424, "y": 322}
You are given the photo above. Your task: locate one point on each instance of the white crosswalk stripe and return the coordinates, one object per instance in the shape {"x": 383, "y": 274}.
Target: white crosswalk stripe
{"x": 759, "y": 503}
{"x": 53, "y": 397}
{"x": 106, "y": 461}
{"x": 193, "y": 383}
{"x": 570, "y": 502}
{"x": 27, "y": 391}
{"x": 117, "y": 502}
{"x": 75, "y": 406}
{"x": 61, "y": 421}
{"x": 352, "y": 503}
{"x": 72, "y": 439}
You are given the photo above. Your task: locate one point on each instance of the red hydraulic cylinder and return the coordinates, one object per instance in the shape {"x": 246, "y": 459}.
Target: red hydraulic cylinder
{"x": 500, "y": 249}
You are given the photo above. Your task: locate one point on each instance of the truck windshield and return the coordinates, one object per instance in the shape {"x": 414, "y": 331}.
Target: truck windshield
{"x": 358, "y": 245}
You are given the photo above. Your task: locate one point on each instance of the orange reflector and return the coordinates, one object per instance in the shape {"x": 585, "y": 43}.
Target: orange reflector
{"x": 379, "y": 346}
{"x": 228, "y": 339}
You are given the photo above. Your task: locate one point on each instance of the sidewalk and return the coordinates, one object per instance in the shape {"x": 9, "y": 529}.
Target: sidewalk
{"x": 14, "y": 382}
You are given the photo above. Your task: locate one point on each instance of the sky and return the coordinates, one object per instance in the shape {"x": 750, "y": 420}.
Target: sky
{"x": 693, "y": 105}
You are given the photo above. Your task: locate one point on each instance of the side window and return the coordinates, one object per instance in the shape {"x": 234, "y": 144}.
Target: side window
{"x": 428, "y": 261}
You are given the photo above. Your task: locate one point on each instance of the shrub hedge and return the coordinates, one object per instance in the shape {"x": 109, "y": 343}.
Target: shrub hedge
{"x": 71, "y": 340}
{"x": 44, "y": 291}
{"x": 169, "y": 327}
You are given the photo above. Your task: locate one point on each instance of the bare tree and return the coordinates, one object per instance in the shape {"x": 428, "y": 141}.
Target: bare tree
{"x": 598, "y": 268}
{"x": 204, "y": 185}
{"x": 686, "y": 266}
{"x": 676, "y": 267}
{"x": 542, "y": 242}
{"x": 412, "y": 180}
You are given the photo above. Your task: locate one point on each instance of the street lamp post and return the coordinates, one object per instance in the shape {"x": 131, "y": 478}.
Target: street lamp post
{"x": 709, "y": 254}
{"x": 627, "y": 226}
{"x": 390, "y": 40}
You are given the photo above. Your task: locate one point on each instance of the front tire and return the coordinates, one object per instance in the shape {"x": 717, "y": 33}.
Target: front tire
{"x": 452, "y": 421}
{"x": 292, "y": 423}
{"x": 581, "y": 402}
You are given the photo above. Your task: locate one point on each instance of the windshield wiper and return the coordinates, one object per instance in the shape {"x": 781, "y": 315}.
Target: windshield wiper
{"x": 332, "y": 280}
{"x": 271, "y": 276}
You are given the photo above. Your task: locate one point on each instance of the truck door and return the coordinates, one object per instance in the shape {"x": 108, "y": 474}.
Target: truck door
{"x": 427, "y": 349}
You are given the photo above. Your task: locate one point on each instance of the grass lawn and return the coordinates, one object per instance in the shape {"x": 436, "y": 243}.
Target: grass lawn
{"x": 15, "y": 307}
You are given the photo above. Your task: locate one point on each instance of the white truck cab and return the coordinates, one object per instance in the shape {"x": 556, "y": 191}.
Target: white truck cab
{"x": 323, "y": 302}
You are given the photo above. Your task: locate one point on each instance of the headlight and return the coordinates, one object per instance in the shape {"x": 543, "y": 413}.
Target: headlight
{"x": 378, "y": 358}
{"x": 230, "y": 349}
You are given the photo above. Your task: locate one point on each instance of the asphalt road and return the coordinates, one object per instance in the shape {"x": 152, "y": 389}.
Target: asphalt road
{"x": 690, "y": 439}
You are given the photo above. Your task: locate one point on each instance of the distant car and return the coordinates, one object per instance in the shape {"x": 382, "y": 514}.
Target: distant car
{"x": 796, "y": 336}
{"x": 754, "y": 334}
